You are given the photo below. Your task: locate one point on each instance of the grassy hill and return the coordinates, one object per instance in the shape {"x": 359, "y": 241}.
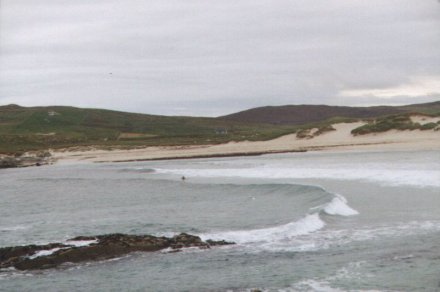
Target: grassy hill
{"x": 302, "y": 114}
{"x": 34, "y": 128}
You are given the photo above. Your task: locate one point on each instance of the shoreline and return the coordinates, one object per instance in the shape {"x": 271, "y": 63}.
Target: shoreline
{"x": 240, "y": 154}
{"x": 339, "y": 140}
{"x": 346, "y": 148}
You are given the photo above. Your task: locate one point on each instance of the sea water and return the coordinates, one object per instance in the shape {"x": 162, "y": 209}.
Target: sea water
{"x": 317, "y": 221}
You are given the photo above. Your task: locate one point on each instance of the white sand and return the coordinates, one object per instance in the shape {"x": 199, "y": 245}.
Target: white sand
{"x": 424, "y": 119}
{"x": 341, "y": 139}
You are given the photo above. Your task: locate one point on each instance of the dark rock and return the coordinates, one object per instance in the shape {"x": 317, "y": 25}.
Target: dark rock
{"x": 106, "y": 247}
{"x": 10, "y": 256}
{"x": 25, "y": 161}
{"x": 220, "y": 242}
{"x": 9, "y": 162}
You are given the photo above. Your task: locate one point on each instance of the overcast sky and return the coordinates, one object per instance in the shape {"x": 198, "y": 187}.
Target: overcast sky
{"x": 206, "y": 57}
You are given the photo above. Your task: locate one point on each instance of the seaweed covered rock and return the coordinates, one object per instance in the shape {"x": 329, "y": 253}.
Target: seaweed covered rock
{"x": 93, "y": 248}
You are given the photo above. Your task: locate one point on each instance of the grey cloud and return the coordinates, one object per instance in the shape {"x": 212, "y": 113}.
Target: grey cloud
{"x": 212, "y": 57}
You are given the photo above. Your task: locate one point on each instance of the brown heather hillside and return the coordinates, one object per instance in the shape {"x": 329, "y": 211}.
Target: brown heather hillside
{"x": 304, "y": 114}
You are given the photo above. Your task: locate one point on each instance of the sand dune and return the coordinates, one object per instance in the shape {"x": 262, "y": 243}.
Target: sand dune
{"x": 341, "y": 139}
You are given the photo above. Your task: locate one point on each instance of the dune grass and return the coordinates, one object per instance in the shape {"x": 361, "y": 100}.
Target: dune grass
{"x": 394, "y": 122}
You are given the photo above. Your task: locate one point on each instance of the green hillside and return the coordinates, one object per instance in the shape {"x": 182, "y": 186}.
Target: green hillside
{"x": 34, "y": 128}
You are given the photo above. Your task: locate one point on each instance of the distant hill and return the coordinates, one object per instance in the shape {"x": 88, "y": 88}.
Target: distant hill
{"x": 33, "y": 128}
{"x": 304, "y": 114}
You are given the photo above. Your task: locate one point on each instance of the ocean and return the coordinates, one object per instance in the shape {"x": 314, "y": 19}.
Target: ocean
{"x": 314, "y": 221}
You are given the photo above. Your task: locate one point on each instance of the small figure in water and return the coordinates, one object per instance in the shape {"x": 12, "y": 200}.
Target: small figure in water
{"x": 183, "y": 178}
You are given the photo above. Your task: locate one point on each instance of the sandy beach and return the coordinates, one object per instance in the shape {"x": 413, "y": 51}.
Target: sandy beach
{"x": 340, "y": 139}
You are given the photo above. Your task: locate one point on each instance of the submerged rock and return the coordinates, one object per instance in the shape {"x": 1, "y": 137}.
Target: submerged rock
{"x": 93, "y": 248}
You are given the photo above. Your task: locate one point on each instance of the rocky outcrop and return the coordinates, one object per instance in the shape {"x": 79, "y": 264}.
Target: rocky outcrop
{"x": 93, "y": 248}
{"x": 8, "y": 162}
{"x": 34, "y": 159}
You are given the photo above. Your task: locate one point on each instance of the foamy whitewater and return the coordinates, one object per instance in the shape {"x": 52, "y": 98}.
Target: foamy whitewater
{"x": 284, "y": 233}
{"x": 380, "y": 174}
{"x": 301, "y": 222}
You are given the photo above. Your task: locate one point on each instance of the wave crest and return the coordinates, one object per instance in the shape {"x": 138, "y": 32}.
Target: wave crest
{"x": 308, "y": 224}
{"x": 394, "y": 177}
{"x": 339, "y": 206}
{"x": 312, "y": 222}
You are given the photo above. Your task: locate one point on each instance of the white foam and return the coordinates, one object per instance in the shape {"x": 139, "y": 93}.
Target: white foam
{"x": 373, "y": 173}
{"x": 395, "y": 230}
{"x": 328, "y": 238}
{"x": 317, "y": 286}
{"x": 306, "y": 225}
{"x": 338, "y": 206}
{"x": 80, "y": 243}
{"x": 353, "y": 270}
{"x": 286, "y": 237}
{"x": 13, "y": 228}
{"x": 46, "y": 252}
{"x": 306, "y": 235}
{"x": 70, "y": 243}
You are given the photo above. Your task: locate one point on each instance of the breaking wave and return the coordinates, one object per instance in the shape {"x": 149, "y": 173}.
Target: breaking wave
{"x": 338, "y": 206}
{"x": 311, "y": 220}
{"x": 271, "y": 237}
{"x": 391, "y": 177}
